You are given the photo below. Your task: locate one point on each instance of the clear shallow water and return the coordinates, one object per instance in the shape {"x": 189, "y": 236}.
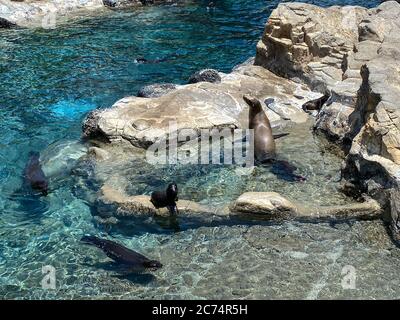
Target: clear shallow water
{"x": 52, "y": 78}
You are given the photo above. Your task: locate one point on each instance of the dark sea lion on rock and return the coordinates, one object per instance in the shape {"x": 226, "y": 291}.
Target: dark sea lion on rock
{"x": 34, "y": 175}
{"x": 316, "y": 104}
{"x": 122, "y": 255}
{"x": 166, "y": 199}
{"x": 264, "y": 142}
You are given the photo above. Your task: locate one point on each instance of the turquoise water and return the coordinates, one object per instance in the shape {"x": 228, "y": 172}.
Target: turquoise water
{"x": 52, "y": 78}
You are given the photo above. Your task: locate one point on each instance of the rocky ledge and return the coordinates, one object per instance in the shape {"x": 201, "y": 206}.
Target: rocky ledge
{"x": 354, "y": 53}
{"x": 202, "y": 105}
{"x": 33, "y": 13}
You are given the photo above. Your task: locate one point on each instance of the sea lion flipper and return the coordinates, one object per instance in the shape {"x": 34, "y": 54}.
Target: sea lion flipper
{"x": 280, "y": 135}
{"x": 173, "y": 210}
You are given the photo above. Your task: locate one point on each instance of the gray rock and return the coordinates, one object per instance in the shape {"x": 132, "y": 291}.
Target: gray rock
{"x": 156, "y": 90}
{"x": 121, "y": 3}
{"x": 207, "y": 75}
{"x": 90, "y": 128}
{"x": 5, "y": 24}
{"x": 270, "y": 205}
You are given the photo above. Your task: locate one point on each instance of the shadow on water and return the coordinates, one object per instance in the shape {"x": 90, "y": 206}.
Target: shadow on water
{"x": 123, "y": 272}
{"x": 32, "y": 204}
{"x": 137, "y": 226}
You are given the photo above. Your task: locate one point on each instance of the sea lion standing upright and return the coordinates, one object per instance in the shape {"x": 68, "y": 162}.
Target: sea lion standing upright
{"x": 167, "y": 198}
{"x": 264, "y": 143}
{"x": 34, "y": 175}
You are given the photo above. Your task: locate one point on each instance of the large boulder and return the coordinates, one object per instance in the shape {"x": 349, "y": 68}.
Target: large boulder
{"x": 202, "y": 105}
{"x": 270, "y": 205}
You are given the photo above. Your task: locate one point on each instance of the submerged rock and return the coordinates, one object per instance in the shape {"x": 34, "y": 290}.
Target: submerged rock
{"x": 206, "y": 75}
{"x": 156, "y": 90}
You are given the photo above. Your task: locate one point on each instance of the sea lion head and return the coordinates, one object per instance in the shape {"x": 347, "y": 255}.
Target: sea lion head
{"x": 172, "y": 191}
{"x": 253, "y": 103}
{"x": 152, "y": 265}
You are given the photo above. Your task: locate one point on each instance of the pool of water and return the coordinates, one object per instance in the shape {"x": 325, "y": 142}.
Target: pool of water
{"x": 52, "y": 78}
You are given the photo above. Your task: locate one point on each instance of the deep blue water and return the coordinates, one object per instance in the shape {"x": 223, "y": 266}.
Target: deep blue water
{"x": 51, "y": 78}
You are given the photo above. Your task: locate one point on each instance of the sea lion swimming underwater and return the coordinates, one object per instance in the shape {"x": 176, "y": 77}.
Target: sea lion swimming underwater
{"x": 264, "y": 142}
{"x": 122, "y": 255}
{"x": 34, "y": 175}
{"x": 166, "y": 199}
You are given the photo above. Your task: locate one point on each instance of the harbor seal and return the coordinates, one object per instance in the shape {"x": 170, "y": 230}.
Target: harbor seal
{"x": 34, "y": 175}
{"x": 264, "y": 143}
{"x": 122, "y": 255}
{"x": 167, "y": 198}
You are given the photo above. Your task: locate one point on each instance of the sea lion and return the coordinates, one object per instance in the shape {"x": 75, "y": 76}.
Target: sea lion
{"x": 142, "y": 60}
{"x": 264, "y": 143}
{"x": 122, "y": 255}
{"x": 316, "y": 104}
{"x": 167, "y": 198}
{"x": 34, "y": 175}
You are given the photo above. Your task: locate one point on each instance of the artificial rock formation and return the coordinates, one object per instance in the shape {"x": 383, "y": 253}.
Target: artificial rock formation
{"x": 354, "y": 53}
{"x": 202, "y": 105}
{"x": 42, "y": 13}
{"x": 47, "y": 13}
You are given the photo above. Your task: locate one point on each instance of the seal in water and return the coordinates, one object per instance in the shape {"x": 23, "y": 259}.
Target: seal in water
{"x": 34, "y": 175}
{"x": 316, "y": 104}
{"x": 167, "y": 198}
{"x": 122, "y": 255}
{"x": 264, "y": 142}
